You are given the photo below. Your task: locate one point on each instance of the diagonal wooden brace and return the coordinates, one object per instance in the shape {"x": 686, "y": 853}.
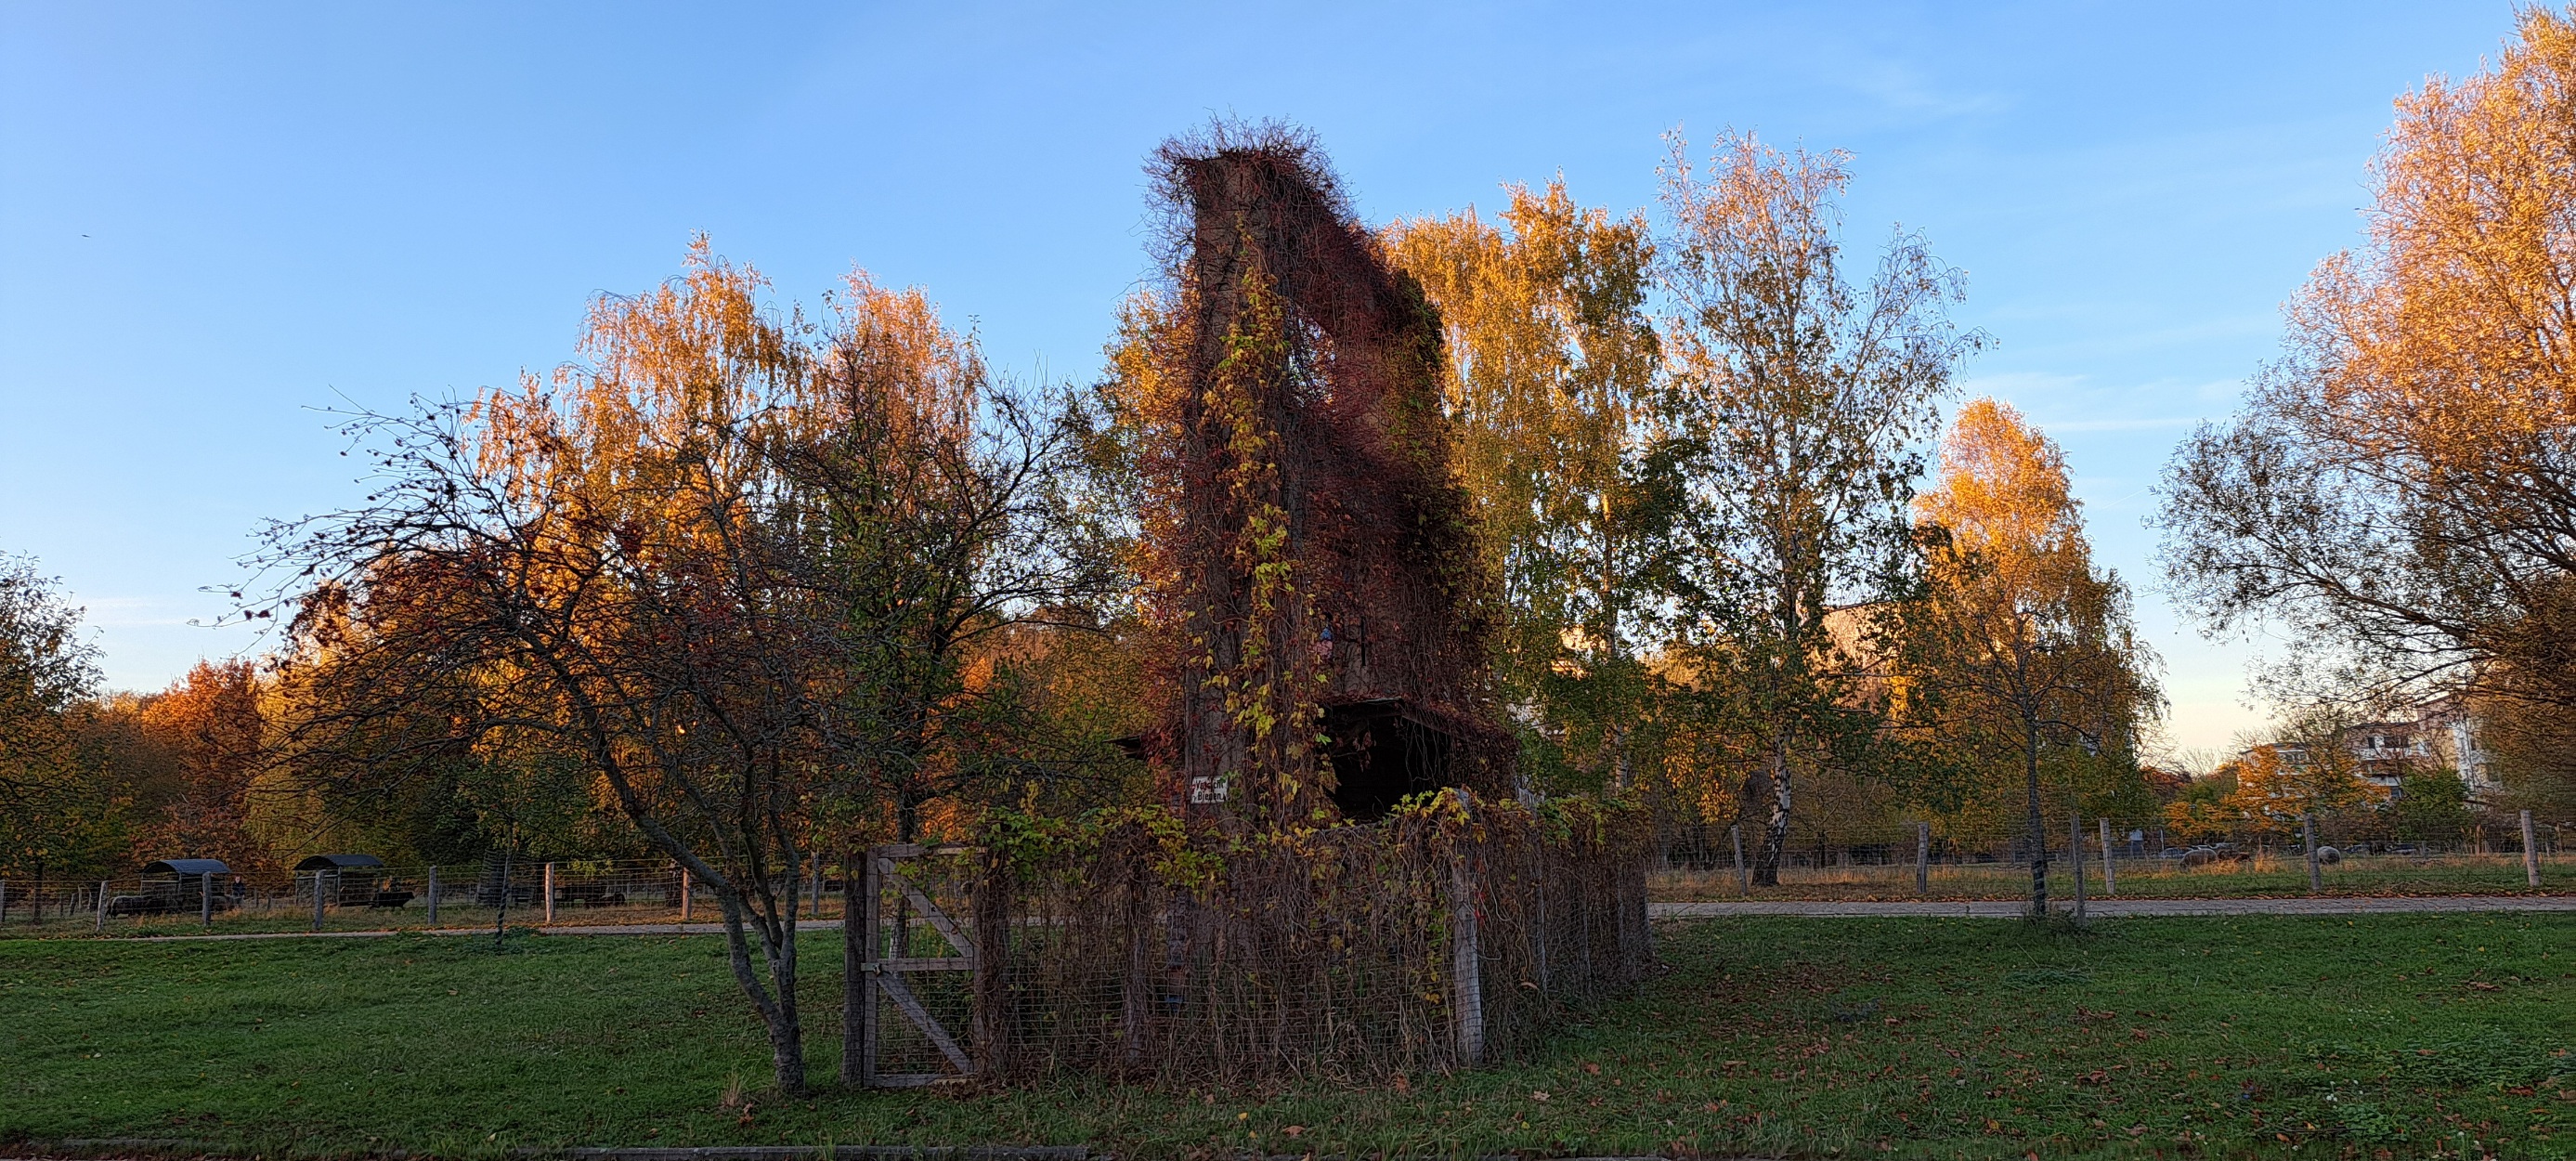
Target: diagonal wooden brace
{"x": 895, "y": 989}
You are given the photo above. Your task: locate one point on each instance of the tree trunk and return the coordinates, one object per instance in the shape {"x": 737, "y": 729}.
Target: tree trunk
{"x": 2038, "y": 828}
{"x": 776, "y": 1002}
{"x": 1775, "y": 824}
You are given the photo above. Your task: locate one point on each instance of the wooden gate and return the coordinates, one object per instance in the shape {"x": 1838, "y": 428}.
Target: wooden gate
{"x": 887, "y": 948}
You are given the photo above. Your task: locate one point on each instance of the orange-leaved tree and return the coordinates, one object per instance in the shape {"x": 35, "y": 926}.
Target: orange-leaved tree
{"x": 729, "y": 568}
{"x": 211, "y": 734}
{"x": 2020, "y": 655}
{"x": 2396, "y": 494}
{"x": 2306, "y": 769}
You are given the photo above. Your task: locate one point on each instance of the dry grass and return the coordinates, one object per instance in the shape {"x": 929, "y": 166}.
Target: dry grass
{"x": 2259, "y": 876}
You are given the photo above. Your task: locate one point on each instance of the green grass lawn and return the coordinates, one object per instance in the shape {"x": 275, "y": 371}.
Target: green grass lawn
{"x": 2395, "y": 1036}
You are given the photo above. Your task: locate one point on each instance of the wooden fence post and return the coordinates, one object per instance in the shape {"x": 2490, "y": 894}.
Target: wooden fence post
{"x": 102, "y": 904}
{"x": 1922, "y": 858}
{"x": 871, "y": 939}
{"x": 2075, "y": 859}
{"x": 1466, "y": 964}
{"x": 2530, "y": 852}
{"x": 317, "y": 900}
{"x": 550, "y": 892}
{"x": 2110, "y": 878}
{"x": 993, "y": 900}
{"x": 2308, "y": 837}
{"x": 206, "y": 901}
{"x": 433, "y": 894}
{"x": 685, "y": 886}
{"x": 1743, "y": 882}
{"x": 4, "y": 900}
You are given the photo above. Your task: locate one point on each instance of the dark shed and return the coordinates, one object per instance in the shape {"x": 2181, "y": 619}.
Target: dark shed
{"x": 339, "y": 863}
{"x": 350, "y": 881}
{"x": 177, "y": 885}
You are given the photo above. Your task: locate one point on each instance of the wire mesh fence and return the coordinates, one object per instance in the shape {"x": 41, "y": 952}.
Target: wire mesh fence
{"x": 1139, "y": 948}
{"x": 2146, "y": 857}
{"x": 2143, "y": 857}
{"x": 594, "y": 892}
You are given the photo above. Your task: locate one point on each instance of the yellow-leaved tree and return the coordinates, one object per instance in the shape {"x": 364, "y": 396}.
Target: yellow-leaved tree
{"x": 1553, "y": 360}
{"x": 2019, "y": 659}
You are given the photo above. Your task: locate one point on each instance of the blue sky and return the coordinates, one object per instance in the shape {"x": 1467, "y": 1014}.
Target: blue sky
{"x": 216, "y": 219}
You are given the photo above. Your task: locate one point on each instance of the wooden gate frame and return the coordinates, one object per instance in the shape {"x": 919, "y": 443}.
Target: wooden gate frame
{"x": 881, "y": 975}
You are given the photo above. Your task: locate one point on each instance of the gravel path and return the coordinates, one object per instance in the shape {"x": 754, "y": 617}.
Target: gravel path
{"x": 2114, "y": 908}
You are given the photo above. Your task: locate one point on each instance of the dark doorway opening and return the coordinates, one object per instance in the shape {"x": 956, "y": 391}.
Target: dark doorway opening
{"x": 1380, "y": 754}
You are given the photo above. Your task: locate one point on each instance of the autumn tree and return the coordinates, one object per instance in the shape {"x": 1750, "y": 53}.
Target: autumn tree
{"x": 950, "y": 518}
{"x": 581, "y": 568}
{"x": 1554, "y": 365}
{"x": 1800, "y": 403}
{"x": 712, "y": 565}
{"x": 2019, "y": 648}
{"x": 395, "y": 776}
{"x": 2398, "y": 494}
{"x": 2308, "y": 771}
{"x": 209, "y": 734}
{"x": 58, "y": 814}
{"x": 2202, "y": 810}
{"x": 725, "y": 566}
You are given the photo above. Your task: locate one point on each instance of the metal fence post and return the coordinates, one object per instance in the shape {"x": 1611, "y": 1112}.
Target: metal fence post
{"x": 2110, "y": 881}
{"x": 1743, "y": 882}
{"x": 1922, "y": 858}
{"x": 2530, "y": 852}
{"x": 2308, "y": 835}
{"x": 2075, "y": 859}
{"x": 433, "y": 894}
{"x": 550, "y": 892}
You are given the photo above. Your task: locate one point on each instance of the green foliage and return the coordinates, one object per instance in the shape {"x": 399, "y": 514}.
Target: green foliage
{"x": 58, "y": 810}
{"x": 2433, "y": 804}
{"x": 1180, "y": 859}
{"x": 1553, "y": 377}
